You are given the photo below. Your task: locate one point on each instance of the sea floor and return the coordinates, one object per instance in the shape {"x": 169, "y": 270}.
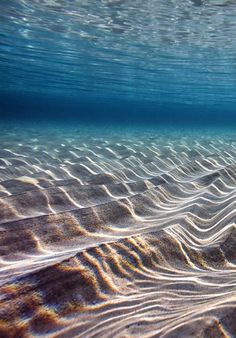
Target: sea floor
{"x": 112, "y": 232}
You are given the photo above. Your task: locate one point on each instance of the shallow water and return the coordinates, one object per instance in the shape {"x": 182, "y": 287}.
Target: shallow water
{"x": 117, "y": 168}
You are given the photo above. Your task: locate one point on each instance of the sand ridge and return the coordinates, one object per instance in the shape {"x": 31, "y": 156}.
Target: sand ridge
{"x": 117, "y": 235}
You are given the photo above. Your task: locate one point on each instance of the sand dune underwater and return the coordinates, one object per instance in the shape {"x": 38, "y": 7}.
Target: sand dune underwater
{"x": 104, "y": 235}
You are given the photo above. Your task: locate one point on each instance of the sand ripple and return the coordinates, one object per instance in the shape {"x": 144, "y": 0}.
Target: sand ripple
{"x": 114, "y": 235}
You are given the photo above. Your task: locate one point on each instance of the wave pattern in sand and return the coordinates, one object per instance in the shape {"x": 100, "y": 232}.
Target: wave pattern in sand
{"x": 117, "y": 236}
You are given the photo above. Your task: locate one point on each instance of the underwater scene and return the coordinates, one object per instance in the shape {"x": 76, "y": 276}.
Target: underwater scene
{"x": 117, "y": 168}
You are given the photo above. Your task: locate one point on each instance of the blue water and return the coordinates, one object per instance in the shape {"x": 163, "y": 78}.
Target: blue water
{"x": 117, "y": 168}
{"x": 118, "y": 61}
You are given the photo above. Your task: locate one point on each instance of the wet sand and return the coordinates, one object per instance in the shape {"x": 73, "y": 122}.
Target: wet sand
{"x": 117, "y": 234}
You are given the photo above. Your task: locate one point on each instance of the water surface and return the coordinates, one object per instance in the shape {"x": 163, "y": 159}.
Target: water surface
{"x": 103, "y": 57}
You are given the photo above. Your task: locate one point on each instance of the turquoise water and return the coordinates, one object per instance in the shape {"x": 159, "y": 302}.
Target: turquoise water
{"x": 117, "y": 168}
{"x": 138, "y": 61}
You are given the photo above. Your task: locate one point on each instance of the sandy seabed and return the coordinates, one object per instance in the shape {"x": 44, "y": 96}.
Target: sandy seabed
{"x": 117, "y": 233}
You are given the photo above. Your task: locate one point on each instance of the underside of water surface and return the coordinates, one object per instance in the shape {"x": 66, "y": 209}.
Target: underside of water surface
{"x": 117, "y": 168}
{"x": 158, "y": 60}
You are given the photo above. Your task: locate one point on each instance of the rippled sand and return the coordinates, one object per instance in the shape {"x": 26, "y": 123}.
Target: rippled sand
{"x": 117, "y": 234}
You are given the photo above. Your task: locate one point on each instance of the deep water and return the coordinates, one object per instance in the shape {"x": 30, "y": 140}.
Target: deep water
{"x": 54, "y": 108}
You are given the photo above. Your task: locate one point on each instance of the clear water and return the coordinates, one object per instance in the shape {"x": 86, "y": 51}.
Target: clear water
{"x": 117, "y": 168}
{"x": 155, "y": 60}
